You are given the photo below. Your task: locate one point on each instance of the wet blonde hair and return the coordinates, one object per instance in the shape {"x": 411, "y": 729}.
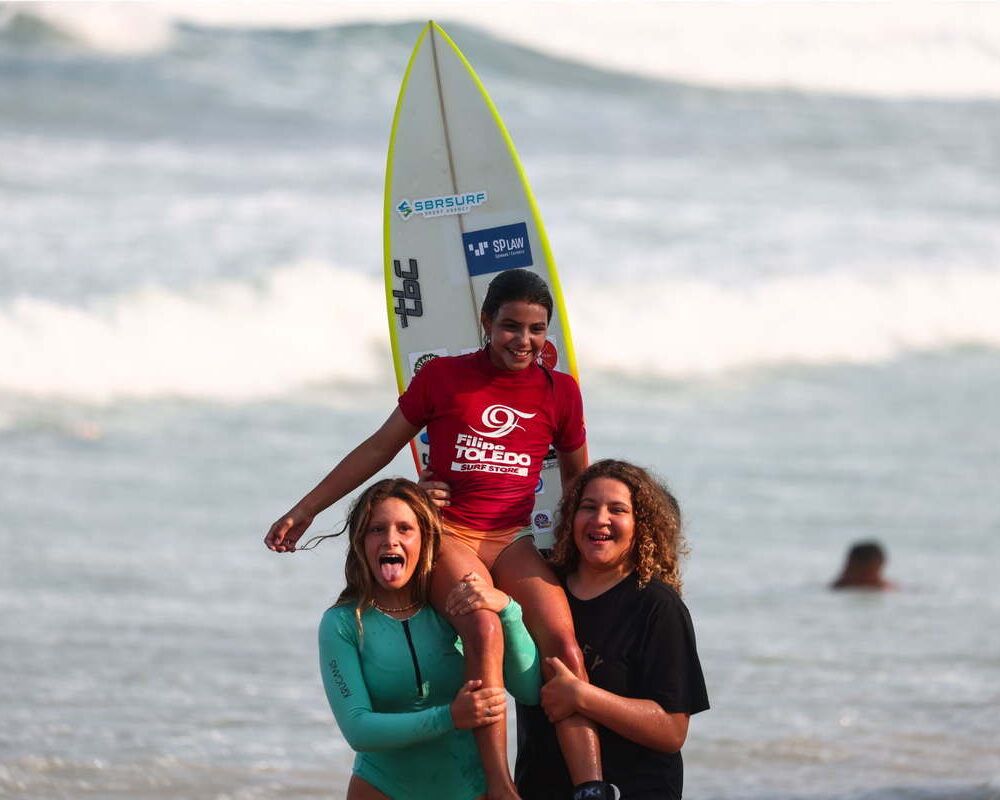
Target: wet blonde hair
{"x": 659, "y": 543}
{"x": 360, "y": 583}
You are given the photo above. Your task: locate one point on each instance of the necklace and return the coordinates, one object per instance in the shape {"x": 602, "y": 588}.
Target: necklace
{"x": 385, "y": 610}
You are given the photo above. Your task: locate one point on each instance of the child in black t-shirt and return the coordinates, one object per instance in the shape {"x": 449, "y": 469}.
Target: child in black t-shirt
{"x": 617, "y": 550}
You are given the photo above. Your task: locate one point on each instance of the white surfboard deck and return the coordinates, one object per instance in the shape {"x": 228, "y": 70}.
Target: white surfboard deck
{"x": 458, "y": 210}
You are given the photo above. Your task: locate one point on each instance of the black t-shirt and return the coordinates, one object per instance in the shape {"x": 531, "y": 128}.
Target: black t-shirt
{"x": 638, "y": 644}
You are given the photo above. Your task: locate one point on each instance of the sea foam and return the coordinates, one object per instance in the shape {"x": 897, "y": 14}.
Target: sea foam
{"x": 313, "y": 324}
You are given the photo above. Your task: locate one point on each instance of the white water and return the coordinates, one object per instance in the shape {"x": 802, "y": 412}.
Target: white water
{"x": 312, "y": 324}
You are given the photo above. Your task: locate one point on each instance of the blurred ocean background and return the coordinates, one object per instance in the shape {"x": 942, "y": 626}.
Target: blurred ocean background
{"x": 780, "y": 248}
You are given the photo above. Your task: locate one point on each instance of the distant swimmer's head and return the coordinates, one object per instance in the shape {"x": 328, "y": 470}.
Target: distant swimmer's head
{"x": 515, "y": 318}
{"x": 863, "y": 568}
{"x": 395, "y": 535}
{"x": 618, "y": 517}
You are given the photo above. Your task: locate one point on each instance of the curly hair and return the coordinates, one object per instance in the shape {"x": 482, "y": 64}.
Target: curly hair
{"x": 360, "y": 583}
{"x": 659, "y": 543}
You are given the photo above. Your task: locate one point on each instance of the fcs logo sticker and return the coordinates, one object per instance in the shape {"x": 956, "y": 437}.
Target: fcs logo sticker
{"x": 501, "y": 420}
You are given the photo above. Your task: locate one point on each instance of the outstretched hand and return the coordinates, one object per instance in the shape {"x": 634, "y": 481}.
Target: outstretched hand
{"x": 287, "y": 531}
{"x": 474, "y": 593}
{"x": 561, "y": 694}
{"x": 474, "y": 706}
{"x": 438, "y": 491}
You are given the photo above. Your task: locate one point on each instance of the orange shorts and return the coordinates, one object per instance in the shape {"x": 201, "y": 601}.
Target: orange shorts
{"x": 487, "y": 545}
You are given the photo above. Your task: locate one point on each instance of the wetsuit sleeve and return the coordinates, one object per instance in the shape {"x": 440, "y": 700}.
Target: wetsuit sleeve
{"x": 364, "y": 729}
{"x": 521, "y": 663}
{"x": 571, "y": 432}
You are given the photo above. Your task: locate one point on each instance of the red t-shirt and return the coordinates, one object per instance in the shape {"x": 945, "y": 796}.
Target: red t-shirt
{"x": 490, "y": 430}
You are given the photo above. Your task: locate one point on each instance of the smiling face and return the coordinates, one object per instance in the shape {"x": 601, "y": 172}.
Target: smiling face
{"x": 516, "y": 333}
{"x": 392, "y": 546}
{"x": 604, "y": 527}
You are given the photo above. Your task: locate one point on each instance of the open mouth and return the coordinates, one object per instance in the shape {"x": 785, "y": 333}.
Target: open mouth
{"x": 600, "y": 537}
{"x": 390, "y": 566}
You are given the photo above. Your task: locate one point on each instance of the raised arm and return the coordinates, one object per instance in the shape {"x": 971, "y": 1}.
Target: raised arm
{"x": 354, "y": 469}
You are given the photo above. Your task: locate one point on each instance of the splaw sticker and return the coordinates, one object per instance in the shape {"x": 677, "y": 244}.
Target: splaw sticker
{"x": 497, "y": 249}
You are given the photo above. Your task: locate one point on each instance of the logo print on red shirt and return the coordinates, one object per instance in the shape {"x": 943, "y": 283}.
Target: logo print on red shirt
{"x": 501, "y": 420}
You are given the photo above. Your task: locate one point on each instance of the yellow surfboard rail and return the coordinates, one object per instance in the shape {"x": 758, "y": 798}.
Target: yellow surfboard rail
{"x": 397, "y": 360}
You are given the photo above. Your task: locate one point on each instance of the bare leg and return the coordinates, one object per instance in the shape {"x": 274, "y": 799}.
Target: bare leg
{"x": 360, "y": 789}
{"x": 523, "y": 574}
{"x": 482, "y": 640}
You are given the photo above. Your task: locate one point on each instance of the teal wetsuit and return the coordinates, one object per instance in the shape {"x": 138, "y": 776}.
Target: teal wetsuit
{"x": 391, "y": 693}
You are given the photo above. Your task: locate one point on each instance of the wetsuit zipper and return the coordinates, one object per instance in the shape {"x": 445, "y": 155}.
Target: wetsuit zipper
{"x": 413, "y": 655}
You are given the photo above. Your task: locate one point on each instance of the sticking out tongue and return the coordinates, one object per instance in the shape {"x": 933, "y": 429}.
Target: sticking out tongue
{"x": 391, "y": 568}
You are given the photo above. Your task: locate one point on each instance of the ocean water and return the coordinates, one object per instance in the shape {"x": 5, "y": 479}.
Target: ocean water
{"x": 783, "y": 299}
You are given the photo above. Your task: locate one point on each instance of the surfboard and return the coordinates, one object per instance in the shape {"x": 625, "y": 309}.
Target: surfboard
{"x": 458, "y": 210}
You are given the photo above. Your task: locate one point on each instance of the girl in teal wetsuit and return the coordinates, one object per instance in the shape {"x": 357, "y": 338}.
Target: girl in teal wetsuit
{"x": 392, "y": 667}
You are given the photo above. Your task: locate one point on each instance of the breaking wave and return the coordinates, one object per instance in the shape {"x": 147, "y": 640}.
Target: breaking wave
{"x": 315, "y": 325}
